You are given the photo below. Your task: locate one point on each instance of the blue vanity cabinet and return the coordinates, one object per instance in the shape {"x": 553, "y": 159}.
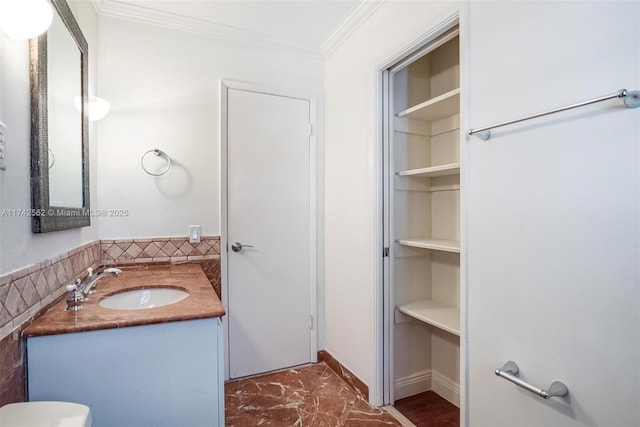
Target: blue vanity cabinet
{"x": 159, "y": 375}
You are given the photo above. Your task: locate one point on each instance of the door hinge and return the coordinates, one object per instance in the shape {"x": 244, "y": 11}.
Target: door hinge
{"x": 310, "y": 129}
{"x": 310, "y": 322}
{"x": 385, "y": 252}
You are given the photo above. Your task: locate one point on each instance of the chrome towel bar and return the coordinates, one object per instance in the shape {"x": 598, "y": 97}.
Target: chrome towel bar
{"x": 631, "y": 100}
{"x": 510, "y": 371}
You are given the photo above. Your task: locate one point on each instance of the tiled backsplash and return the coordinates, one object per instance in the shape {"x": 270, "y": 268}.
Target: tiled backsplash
{"x": 171, "y": 249}
{"x": 25, "y": 292}
{"x": 30, "y": 290}
{"x": 211, "y": 268}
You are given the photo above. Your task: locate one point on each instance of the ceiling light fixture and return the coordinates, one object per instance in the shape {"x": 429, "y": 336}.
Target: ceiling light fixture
{"x": 25, "y": 19}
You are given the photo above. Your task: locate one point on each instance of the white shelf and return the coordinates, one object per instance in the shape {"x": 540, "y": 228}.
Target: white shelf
{"x": 436, "y": 108}
{"x": 437, "y": 245}
{"x": 434, "y": 313}
{"x": 433, "y": 171}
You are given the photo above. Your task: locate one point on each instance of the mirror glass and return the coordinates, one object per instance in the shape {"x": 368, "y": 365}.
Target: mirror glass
{"x": 65, "y": 120}
{"x": 59, "y": 125}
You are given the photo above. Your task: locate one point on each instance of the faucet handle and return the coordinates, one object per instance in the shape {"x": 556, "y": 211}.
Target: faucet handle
{"x": 89, "y": 272}
{"x": 75, "y": 297}
{"x": 74, "y": 287}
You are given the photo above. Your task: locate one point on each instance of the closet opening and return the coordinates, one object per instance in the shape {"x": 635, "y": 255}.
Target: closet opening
{"x": 421, "y": 210}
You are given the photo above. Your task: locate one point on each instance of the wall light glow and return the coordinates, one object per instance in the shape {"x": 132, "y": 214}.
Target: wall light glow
{"x": 25, "y": 19}
{"x": 98, "y": 107}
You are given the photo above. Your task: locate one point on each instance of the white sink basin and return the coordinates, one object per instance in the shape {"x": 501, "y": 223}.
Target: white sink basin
{"x": 59, "y": 414}
{"x": 138, "y": 299}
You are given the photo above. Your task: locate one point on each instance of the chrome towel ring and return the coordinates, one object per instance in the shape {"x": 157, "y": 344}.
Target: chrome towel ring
{"x": 156, "y": 152}
{"x": 52, "y": 158}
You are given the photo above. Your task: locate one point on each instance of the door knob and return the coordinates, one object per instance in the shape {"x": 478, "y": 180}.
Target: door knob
{"x": 237, "y": 246}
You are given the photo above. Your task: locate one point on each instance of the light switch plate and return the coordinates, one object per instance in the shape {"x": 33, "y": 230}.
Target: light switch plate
{"x": 194, "y": 234}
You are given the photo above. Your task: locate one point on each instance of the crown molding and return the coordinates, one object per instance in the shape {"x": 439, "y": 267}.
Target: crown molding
{"x": 146, "y": 15}
{"x": 97, "y": 5}
{"x": 350, "y": 25}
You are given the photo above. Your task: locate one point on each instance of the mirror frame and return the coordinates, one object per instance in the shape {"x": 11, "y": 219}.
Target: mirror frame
{"x": 45, "y": 217}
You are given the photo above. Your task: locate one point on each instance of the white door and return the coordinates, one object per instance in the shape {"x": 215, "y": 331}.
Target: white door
{"x": 553, "y": 214}
{"x": 268, "y": 205}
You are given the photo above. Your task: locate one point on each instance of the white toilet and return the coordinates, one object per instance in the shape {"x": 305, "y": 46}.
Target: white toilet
{"x": 45, "y": 414}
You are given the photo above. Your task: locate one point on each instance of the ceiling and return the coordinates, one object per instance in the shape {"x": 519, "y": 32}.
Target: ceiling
{"x": 314, "y": 27}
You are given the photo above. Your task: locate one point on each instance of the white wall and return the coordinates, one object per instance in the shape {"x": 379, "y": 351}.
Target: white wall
{"x": 18, "y": 246}
{"x": 553, "y": 205}
{"x": 352, "y": 177}
{"x": 163, "y": 86}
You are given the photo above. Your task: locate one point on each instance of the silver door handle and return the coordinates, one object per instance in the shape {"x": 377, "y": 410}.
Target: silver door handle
{"x": 510, "y": 371}
{"x": 237, "y": 246}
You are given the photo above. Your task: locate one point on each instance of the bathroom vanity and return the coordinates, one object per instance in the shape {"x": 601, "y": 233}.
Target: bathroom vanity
{"x": 154, "y": 367}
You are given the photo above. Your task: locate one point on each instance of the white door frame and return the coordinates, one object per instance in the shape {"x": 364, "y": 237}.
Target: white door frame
{"x": 225, "y": 85}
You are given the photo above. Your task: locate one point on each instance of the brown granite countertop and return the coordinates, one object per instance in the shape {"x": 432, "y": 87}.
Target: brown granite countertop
{"x": 202, "y": 302}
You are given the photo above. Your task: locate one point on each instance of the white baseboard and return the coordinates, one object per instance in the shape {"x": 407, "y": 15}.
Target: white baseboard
{"x": 424, "y": 381}
{"x": 412, "y": 384}
{"x": 445, "y": 387}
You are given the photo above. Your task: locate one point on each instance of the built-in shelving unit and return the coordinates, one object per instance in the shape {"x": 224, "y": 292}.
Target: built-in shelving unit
{"x": 434, "y": 313}
{"x": 433, "y": 171}
{"x": 434, "y": 109}
{"x": 425, "y": 166}
{"x": 434, "y": 244}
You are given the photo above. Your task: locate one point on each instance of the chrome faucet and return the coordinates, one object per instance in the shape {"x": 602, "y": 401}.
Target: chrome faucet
{"x": 78, "y": 290}
{"x": 89, "y": 285}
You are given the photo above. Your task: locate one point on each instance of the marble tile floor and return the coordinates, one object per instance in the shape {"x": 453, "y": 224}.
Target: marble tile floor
{"x": 312, "y": 395}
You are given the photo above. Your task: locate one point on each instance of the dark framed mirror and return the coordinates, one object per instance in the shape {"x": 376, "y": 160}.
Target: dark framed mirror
{"x": 59, "y": 125}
